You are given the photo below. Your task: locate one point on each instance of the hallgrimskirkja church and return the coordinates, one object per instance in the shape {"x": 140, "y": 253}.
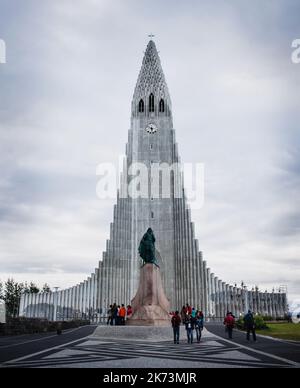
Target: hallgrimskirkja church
{"x": 186, "y": 276}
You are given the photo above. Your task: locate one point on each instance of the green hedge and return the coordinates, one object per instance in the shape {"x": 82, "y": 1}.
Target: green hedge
{"x": 260, "y": 323}
{"x": 17, "y": 326}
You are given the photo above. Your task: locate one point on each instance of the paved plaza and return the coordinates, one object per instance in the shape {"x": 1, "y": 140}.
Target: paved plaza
{"x": 124, "y": 347}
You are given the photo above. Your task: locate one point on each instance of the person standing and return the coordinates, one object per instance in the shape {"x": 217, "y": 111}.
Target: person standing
{"x": 229, "y": 323}
{"x": 176, "y": 321}
{"x": 129, "y": 312}
{"x": 188, "y": 309}
{"x": 117, "y": 316}
{"x": 194, "y": 312}
{"x": 122, "y": 315}
{"x": 199, "y": 325}
{"x": 109, "y": 313}
{"x": 250, "y": 325}
{"x": 190, "y": 327}
{"x": 114, "y": 313}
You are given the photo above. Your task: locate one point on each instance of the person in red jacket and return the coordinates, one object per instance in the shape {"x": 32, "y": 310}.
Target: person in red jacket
{"x": 229, "y": 323}
{"x": 188, "y": 309}
{"x": 176, "y": 321}
{"x": 129, "y": 311}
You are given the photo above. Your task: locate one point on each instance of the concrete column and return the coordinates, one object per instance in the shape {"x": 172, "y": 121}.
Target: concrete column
{"x": 63, "y": 304}
{"x": 224, "y": 298}
{"x": 198, "y": 282}
{"x": 213, "y": 295}
{"x": 205, "y": 307}
{"x": 217, "y": 297}
{"x": 221, "y": 311}
{"x": 35, "y": 306}
{"x": 84, "y": 298}
{"x": 230, "y": 298}
{"x": 69, "y": 304}
{"x": 106, "y": 300}
{"x": 21, "y": 308}
{"x": 48, "y": 306}
{"x": 181, "y": 259}
{"x": 96, "y": 295}
{"x": 40, "y": 312}
{"x": 235, "y": 307}
{"x": 92, "y": 297}
{"x": 72, "y": 303}
{"x": 87, "y": 298}
{"x": 55, "y": 303}
{"x": 208, "y": 272}
{"x": 100, "y": 303}
{"x": 25, "y": 304}
{"x": 75, "y": 302}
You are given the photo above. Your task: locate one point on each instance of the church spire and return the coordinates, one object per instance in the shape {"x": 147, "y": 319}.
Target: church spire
{"x": 151, "y": 93}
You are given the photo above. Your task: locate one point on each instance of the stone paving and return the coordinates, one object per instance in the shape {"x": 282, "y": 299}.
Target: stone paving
{"x": 148, "y": 347}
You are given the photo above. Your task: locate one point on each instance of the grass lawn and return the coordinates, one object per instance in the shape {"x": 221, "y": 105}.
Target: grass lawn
{"x": 287, "y": 331}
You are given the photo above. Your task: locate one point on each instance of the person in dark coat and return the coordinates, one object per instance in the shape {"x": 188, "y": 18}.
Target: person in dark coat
{"x": 250, "y": 325}
{"x": 183, "y": 314}
{"x": 176, "y": 321}
{"x": 199, "y": 325}
{"x": 114, "y": 313}
{"x": 190, "y": 327}
{"x": 109, "y": 312}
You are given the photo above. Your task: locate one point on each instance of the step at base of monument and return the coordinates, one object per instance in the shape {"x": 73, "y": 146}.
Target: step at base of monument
{"x": 149, "y": 322}
{"x": 135, "y": 333}
{"x": 140, "y": 333}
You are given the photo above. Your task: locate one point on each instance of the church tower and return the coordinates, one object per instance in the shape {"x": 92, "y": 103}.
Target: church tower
{"x": 151, "y": 143}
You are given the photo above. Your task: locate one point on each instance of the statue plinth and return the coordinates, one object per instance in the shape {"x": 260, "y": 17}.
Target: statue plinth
{"x": 150, "y": 305}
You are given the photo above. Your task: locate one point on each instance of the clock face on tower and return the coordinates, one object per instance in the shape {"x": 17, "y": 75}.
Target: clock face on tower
{"x": 151, "y": 128}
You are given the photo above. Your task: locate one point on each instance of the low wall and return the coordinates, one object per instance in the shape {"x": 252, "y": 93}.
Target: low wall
{"x": 17, "y": 326}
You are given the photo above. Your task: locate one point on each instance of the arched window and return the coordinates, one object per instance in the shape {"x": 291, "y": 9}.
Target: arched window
{"x": 141, "y": 106}
{"x": 161, "y": 106}
{"x": 151, "y": 103}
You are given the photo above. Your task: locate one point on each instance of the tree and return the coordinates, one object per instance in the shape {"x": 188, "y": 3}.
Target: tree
{"x": 1, "y": 291}
{"x": 33, "y": 288}
{"x": 11, "y": 293}
{"x": 46, "y": 288}
{"x": 11, "y": 296}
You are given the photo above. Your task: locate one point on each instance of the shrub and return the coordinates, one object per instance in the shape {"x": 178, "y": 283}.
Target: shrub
{"x": 260, "y": 323}
{"x": 267, "y": 318}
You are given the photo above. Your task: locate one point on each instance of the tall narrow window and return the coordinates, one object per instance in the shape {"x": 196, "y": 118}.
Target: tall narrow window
{"x": 151, "y": 103}
{"x": 141, "y": 106}
{"x": 161, "y": 106}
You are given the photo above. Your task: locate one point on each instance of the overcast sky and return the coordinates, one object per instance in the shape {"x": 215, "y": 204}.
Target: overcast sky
{"x": 65, "y": 99}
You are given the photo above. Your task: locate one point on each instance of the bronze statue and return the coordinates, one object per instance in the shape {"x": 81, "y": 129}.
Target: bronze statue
{"x": 147, "y": 248}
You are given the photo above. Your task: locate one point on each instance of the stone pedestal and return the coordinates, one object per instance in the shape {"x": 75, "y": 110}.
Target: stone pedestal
{"x": 150, "y": 305}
